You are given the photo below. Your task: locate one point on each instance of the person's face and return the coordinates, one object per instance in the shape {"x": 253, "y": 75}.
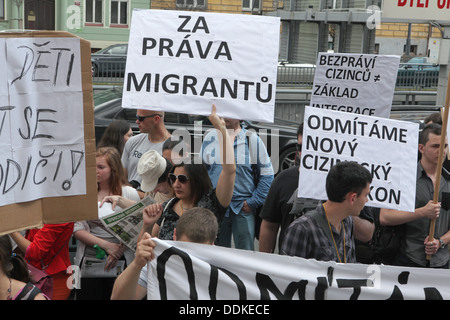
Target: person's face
{"x": 232, "y": 123}
{"x": 430, "y": 151}
{"x": 361, "y": 200}
{"x": 173, "y": 156}
{"x": 103, "y": 169}
{"x": 128, "y": 135}
{"x": 182, "y": 190}
{"x": 162, "y": 187}
{"x": 147, "y": 124}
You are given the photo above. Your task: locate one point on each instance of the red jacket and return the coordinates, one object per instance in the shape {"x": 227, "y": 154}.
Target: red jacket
{"x": 46, "y": 243}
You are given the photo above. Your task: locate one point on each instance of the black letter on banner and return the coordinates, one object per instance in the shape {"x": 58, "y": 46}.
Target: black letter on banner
{"x": 265, "y": 284}
{"x": 146, "y": 79}
{"x": 161, "y": 270}
{"x": 352, "y": 283}
{"x": 432, "y": 294}
{"x": 213, "y": 283}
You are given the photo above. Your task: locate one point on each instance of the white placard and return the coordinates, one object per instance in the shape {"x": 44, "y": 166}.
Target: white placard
{"x": 387, "y": 148}
{"x": 435, "y": 10}
{"x": 355, "y": 83}
{"x": 3, "y": 76}
{"x": 42, "y": 152}
{"x": 190, "y": 271}
{"x": 43, "y": 65}
{"x": 186, "y": 61}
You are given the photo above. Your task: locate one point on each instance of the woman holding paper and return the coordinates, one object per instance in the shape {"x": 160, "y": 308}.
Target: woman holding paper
{"x": 110, "y": 181}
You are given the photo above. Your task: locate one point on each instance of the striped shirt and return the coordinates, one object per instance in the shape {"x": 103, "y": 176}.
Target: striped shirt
{"x": 309, "y": 237}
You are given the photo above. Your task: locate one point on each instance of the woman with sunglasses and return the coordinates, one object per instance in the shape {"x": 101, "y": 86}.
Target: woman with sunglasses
{"x": 192, "y": 187}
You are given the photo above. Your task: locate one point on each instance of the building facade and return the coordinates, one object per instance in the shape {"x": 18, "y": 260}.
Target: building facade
{"x": 106, "y": 22}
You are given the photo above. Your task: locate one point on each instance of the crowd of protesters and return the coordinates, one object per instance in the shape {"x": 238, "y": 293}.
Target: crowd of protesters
{"x": 219, "y": 200}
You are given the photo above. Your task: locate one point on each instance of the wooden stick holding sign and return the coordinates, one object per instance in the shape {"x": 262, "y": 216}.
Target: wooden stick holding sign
{"x": 440, "y": 162}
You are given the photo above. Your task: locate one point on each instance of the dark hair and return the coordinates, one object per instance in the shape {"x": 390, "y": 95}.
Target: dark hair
{"x": 173, "y": 141}
{"x": 12, "y": 265}
{"x": 300, "y": 130}
{"x": 165, "y": 174}
{"x": 345, "y": 177}
{"x": 113, "y": 135}
{"x": 435, "y": 117}
{"x": 433, "y": 128}
{"x": 198, "y": 225}
{"x": 198, "y": 176}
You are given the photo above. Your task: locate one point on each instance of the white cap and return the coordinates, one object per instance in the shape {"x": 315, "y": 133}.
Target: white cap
{"x": 150, "y": 167}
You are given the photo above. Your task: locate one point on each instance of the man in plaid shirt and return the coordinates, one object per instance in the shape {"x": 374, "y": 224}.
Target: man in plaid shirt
{"x": 326, "y": 233}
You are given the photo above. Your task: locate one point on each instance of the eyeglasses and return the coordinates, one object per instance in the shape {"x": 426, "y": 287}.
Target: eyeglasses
{"x": 298, "y": 146}
{"x": 142, "y": 118}
{"x": 181, "y": 178}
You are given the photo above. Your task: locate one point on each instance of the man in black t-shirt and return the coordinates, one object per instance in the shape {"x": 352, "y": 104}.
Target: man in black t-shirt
{"x": 276, "y": 209}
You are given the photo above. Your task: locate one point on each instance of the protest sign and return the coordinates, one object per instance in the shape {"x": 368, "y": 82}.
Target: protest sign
{"x": 47, "y": 144}
{"x": 436, "y": 10}
{"x": 387, "y": 148}
{"x": 186, "y": 61}
{"x": 183, "y": 270}
{"x": 355, "y": 83}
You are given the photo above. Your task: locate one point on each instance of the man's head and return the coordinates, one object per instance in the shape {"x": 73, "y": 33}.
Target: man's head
{"x": 430, "y": 142}
{"x": 348, "y": 181}
{"x": 148, "y": 120}
{"x": 232, "y": 124}
{"x": 197, "y": 225}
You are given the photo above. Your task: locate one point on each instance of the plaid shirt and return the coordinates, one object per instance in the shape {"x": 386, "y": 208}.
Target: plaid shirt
{"x": 309, "y": 238}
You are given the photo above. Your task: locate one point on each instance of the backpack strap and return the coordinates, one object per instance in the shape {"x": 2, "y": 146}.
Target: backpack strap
{"x": 254, "y": 166}
{"x": 29, "y": 292}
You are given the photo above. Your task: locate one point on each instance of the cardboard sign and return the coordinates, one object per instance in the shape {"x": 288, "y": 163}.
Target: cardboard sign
{"x": 435, "y": 10}
{"x": 355, "y": 83}
{"x": 387, "y": 148}
{"x": 186, "y": 61}
{"x": 191, "y": 271}
{"x": 47, "y": 144}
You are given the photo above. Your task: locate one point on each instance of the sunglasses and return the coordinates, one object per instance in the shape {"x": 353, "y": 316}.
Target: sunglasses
{"x": 142, "y": 118}
{"x": 181, "y": 178}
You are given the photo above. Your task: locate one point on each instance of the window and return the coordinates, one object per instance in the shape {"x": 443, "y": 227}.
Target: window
{"x": 2, "y": 9}
{"x": 94, "y": 11}
{"x": 119, "y": 12}
{"x": 251, "y": 5}
{"x": 191, "y": 4}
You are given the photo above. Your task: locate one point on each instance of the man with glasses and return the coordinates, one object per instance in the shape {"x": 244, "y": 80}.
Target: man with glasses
{"x": 254, "y": 175}
{"x": 152, "y": 137}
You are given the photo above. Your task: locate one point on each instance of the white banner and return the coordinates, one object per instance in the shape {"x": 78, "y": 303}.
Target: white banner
{"x": 355, "y": 83}
{"x": 435, "y": 10}
{"x": 184, "y": 61}
{"x": 41, "y": 119}
{"x": 183, "y": 270}
{"x": 387, "y": 148}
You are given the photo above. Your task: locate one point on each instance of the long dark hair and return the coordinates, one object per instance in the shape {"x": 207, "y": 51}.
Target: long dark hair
{"x": 14, "y": 266}
{"x": 113, "y": 135}
{"x": 198, "y": 177}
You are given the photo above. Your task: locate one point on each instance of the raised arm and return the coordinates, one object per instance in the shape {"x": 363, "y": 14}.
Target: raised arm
{"x": 225, "y": 184}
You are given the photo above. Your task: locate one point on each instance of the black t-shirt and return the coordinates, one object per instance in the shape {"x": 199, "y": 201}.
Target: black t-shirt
{"x": 276, "y": 207}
